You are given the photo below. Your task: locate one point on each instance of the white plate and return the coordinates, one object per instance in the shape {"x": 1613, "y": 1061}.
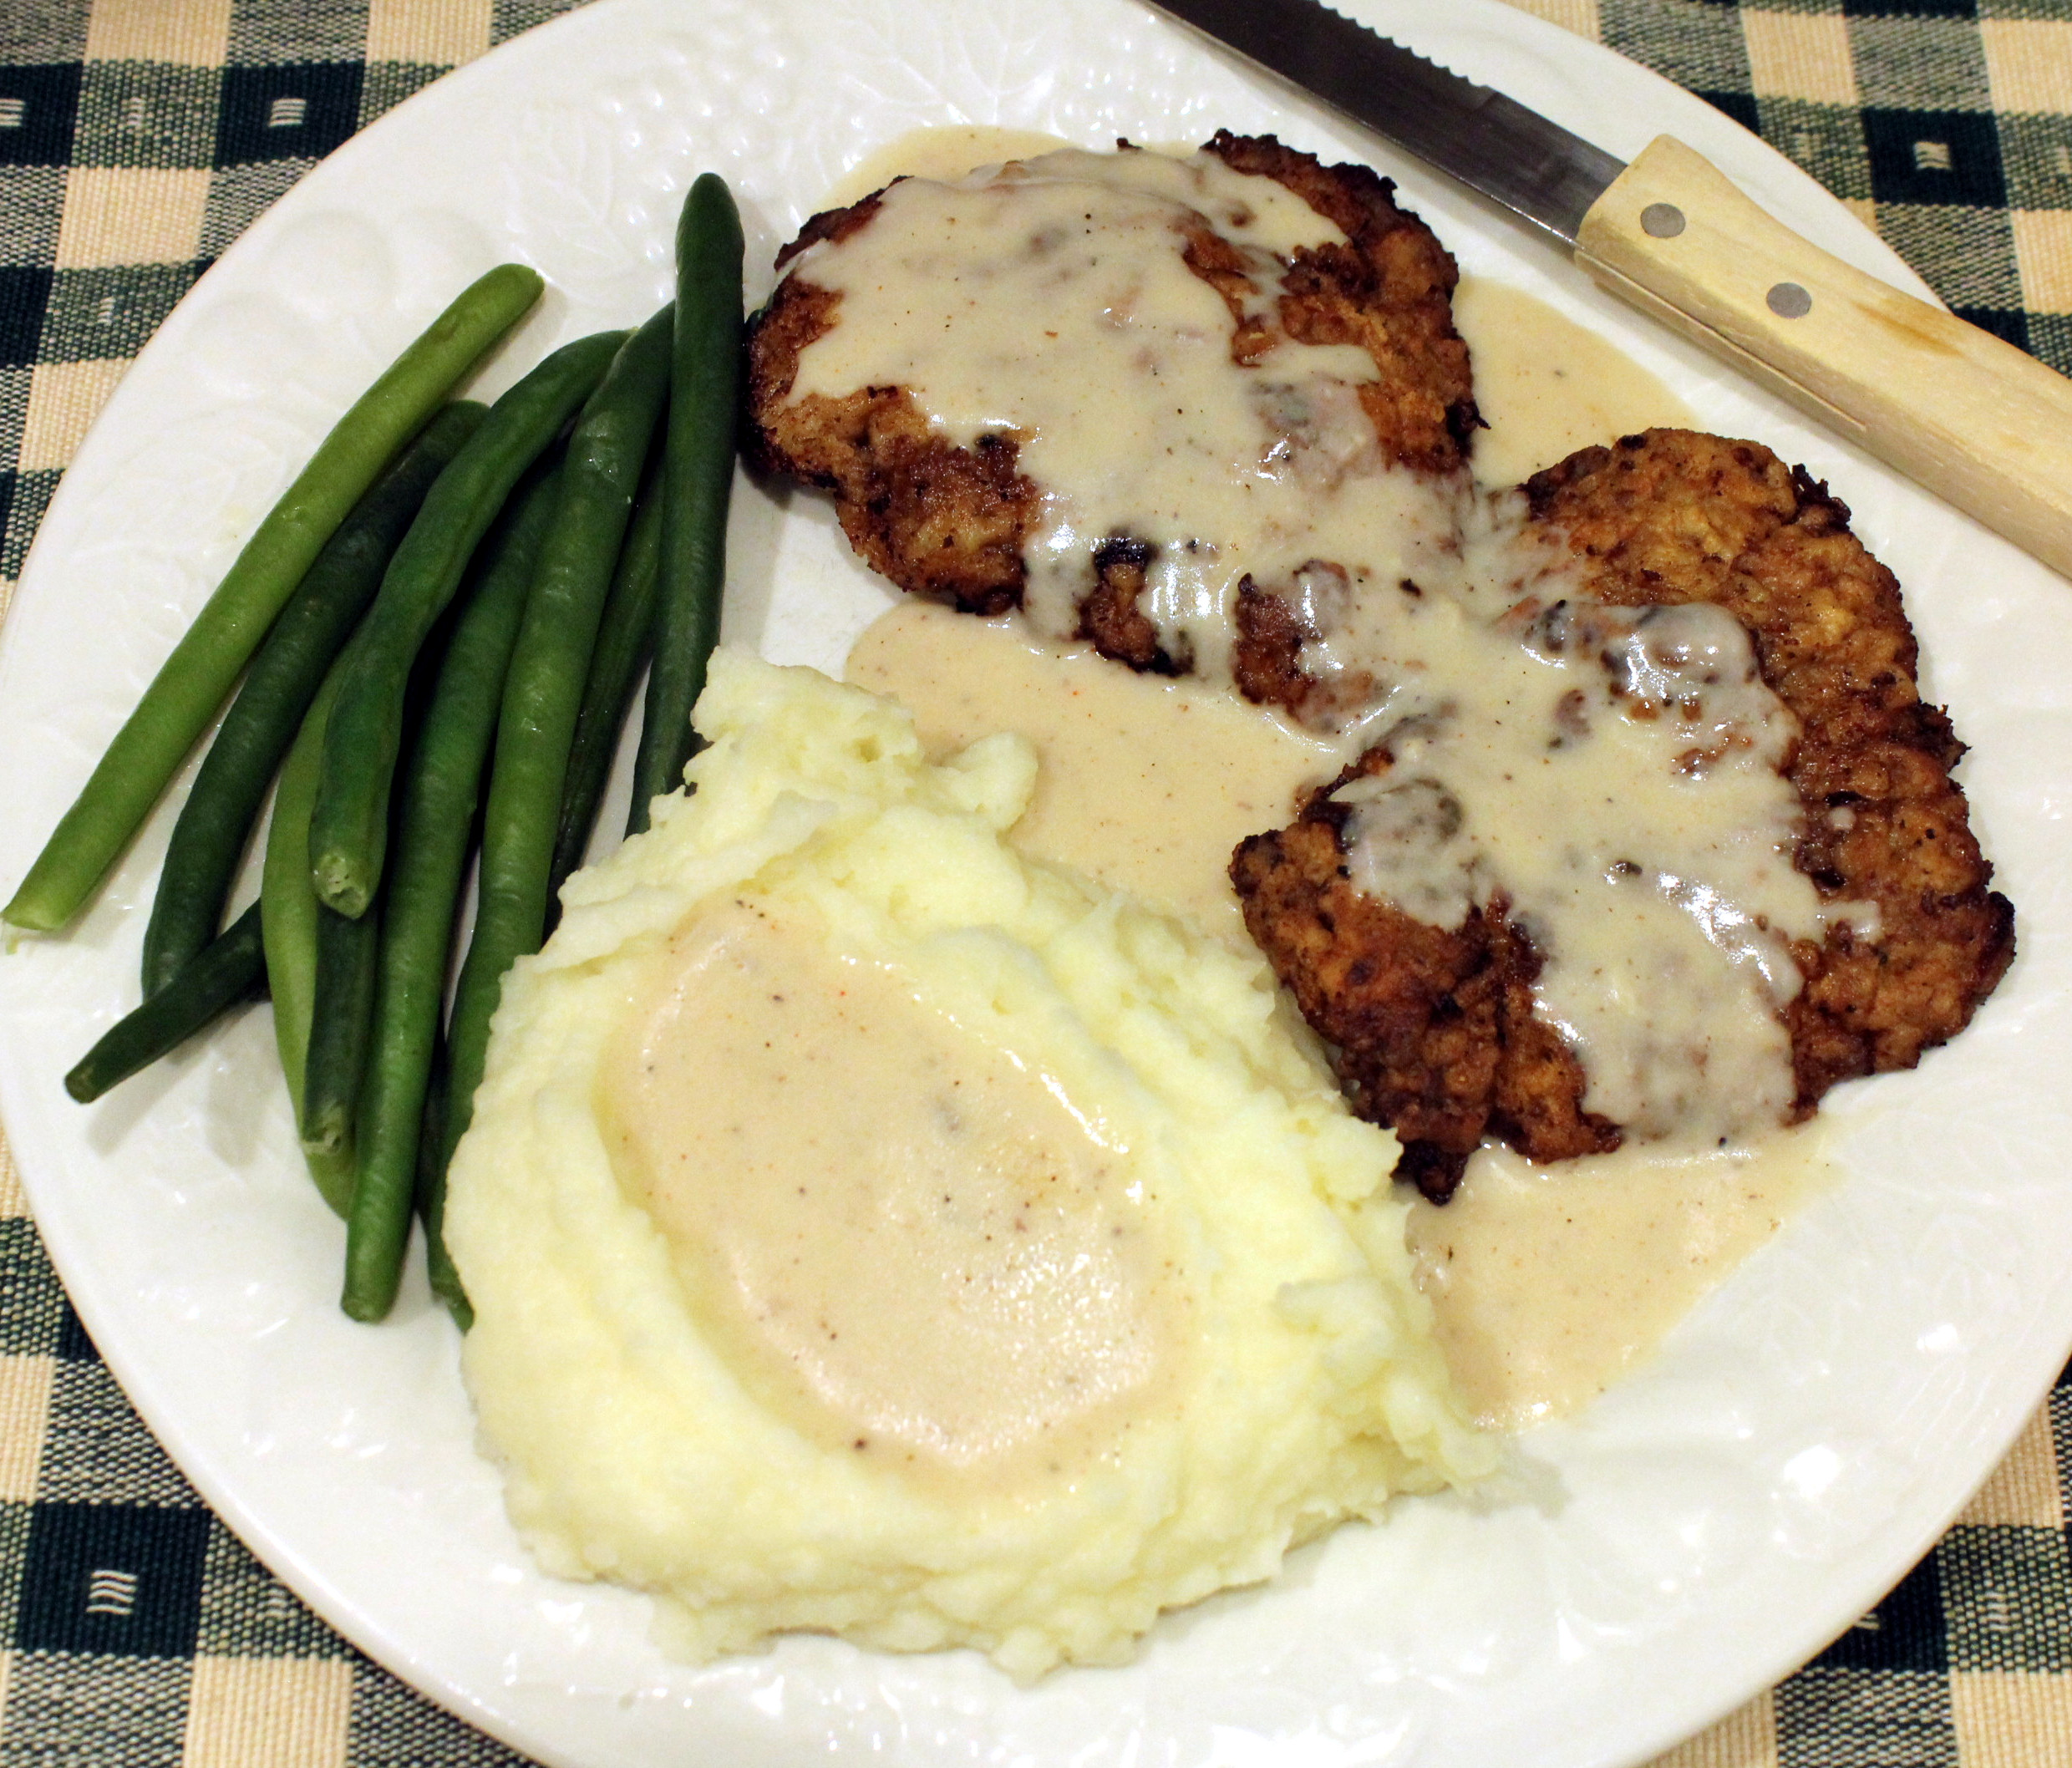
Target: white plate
{"x": 1707, "y": 1525}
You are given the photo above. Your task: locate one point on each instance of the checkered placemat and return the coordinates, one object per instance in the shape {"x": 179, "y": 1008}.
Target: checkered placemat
{"x": 139, "y": 137}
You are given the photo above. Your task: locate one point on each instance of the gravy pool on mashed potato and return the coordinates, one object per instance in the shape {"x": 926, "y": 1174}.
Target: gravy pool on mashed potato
{"x": 872, "y": 1231}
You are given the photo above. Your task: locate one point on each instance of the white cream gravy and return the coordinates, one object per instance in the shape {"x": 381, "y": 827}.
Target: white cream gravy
{"x": 917, "y": 1252}
{"x": 1608, "y": 776}
{"x": 1611, "y": 774}
{"x": 1052, "y": 302}
{"x": 1547, "y": 386}
{"x": 1546, "y": 1283}
{"x": 1146, "y": 784}
{"x": 945, "y": 151}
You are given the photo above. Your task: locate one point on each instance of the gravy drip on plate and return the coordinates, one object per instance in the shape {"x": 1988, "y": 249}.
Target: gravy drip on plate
{"x": 1610, "y": 777}
{"x": 944, "y": 151}
{"x": 1145, "y": 783}
{"x": 1548, "y": 1283}
{"x": 901, "y": 1238}
{"x": 1546, "y": 387}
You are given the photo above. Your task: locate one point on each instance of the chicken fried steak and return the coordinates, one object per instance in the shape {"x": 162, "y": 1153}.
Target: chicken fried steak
{"x": 1642, "y": 831}
{"x": 1434, "y": 1027}
{"x": 955, "y": 520}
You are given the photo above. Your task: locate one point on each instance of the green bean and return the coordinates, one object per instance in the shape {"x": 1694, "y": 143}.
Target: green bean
{"x": 704, "y": 387}
{"x": 287, "y": 914}
{"x": 184, "y": 694}
{"x": 341, "y": 1023}
{"x": 230, "y": 968}
{"x": 544, "y": 692}
{"x": 349, "y": 827}
{"x": 439, "y": 1269}
{"x": 441, "y": 782}
{"x": 625, "y": 640}
{"x": 223, "y": 803}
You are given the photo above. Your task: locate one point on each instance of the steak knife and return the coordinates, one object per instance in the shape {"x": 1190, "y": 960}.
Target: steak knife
{"x": 1960, "y": 411}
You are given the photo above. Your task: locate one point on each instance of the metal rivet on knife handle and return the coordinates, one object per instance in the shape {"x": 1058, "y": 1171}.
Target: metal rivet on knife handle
{"x": 1961, "y": 410}
{"x": 1662, "y": 220}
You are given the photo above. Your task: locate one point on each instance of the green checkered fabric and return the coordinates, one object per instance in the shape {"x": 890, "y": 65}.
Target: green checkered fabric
{"x": 138, "y": 137}
{"x": 1949, "y": 121}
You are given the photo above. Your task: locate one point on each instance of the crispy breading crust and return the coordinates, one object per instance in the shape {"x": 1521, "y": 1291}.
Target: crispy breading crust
{"x": 1433, "y": 1028}
{"x": 1672, "y": 516}
{"x": 1388, "y": 289}
{"x": 947, "y": 523}
{"x": 951, "y": 523}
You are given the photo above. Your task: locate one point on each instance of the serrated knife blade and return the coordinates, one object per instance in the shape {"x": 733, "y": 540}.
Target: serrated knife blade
{"x": 1516, "y": 156}
{"x": 1962, "y": 412}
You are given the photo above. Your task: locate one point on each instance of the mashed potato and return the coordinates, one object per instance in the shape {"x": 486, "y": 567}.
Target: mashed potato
{"x": 871, "y": 1231}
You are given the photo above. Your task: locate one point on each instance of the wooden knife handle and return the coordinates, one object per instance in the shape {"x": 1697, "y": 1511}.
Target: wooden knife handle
{"x": 1968, "y": 416}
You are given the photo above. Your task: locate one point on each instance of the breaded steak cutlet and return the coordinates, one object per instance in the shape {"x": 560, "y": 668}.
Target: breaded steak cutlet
{"x": 1434, "y": 1028}
{"x": 951, "y": 523}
